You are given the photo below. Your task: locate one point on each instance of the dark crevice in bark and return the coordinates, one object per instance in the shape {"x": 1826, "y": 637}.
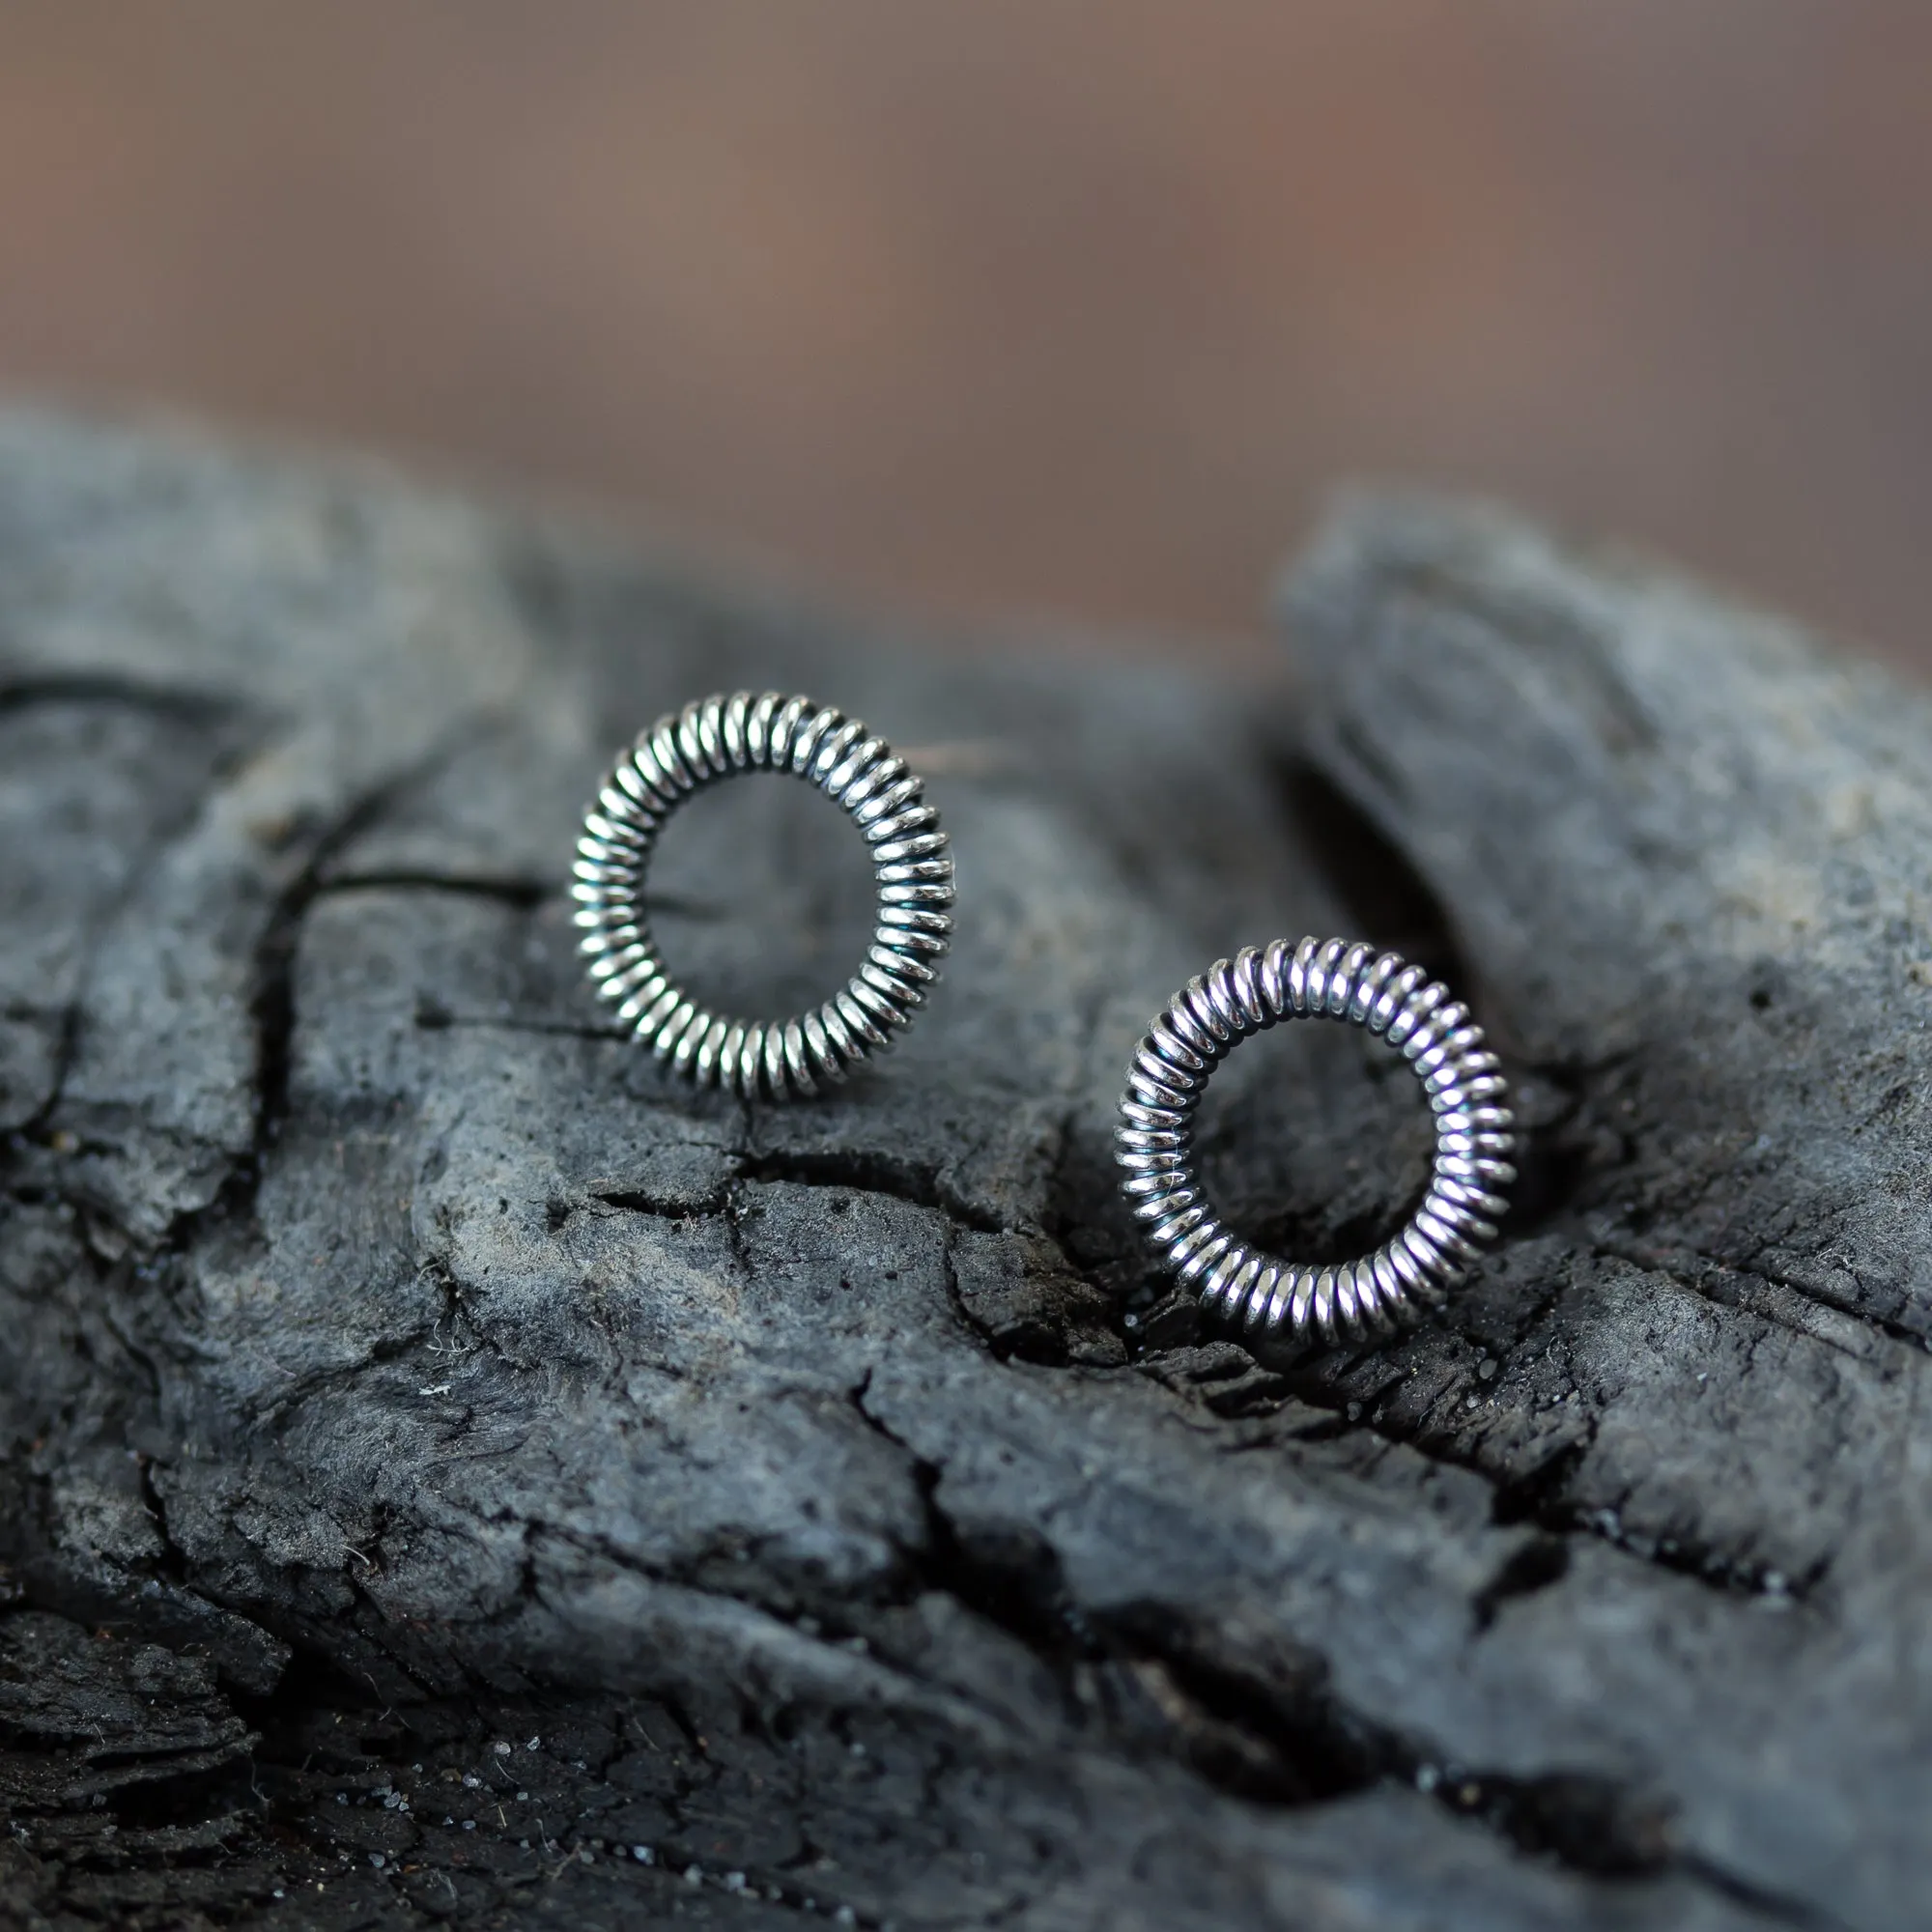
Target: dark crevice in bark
{"x": 1304, "y": 1746}
{"x": 272, "y": 1002}
{"x": 1760, "y": 1900}
{"x": 1537, "y": 1495}
{"x": 1531, "y": 1567}
{"x": 1012, "y": 1580}
{"x": 523, "y": 895}
{"x": 867, "y": 1171}
{"x": 630, "y": 1201}
{"x": 1540, "y": 1496}
{"x": 1388, "y": 903}
{"x": 179, "y": 703}
{"x": 1275, "y": 1736}
{"x": 172, "y": 1564}
{"x": 37, "y": 1127}
{"x": 1700, "y": 1273}
{"x": 835, "y": 1170}
{"x": 432, "y": 1016}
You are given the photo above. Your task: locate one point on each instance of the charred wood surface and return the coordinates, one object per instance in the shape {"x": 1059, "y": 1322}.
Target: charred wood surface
{"x": 452, "y": 1475}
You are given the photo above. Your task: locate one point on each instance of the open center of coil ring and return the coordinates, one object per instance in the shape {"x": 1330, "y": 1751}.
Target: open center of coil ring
{"x": 722, "y": 737}
{"x": 760, "y": 897}
{"x": 1264, "y": 1298}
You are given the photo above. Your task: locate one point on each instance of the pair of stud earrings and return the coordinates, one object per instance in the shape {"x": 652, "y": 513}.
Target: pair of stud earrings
{"x": 1259, "y": 1298}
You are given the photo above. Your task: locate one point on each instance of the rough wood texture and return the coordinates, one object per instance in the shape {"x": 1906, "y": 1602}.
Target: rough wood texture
{"x": 442, "y": 1459}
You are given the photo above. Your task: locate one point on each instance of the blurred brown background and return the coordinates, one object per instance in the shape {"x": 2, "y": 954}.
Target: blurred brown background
{"x": 1024, "y": 305}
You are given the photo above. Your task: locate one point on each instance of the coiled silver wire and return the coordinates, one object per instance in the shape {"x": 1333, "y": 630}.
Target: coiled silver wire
{"x": 1267, "y": 1300}
{"x": 714, "y": 739}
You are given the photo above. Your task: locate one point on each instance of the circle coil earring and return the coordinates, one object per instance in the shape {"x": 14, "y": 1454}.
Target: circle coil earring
{"x": 718, "y": 738}
{"x": 1263, "y": 1297}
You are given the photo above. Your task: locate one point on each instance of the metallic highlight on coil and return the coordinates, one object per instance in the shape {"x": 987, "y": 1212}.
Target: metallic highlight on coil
{"x": 714, "y": 739}
{"x": 1264, "y": 1298}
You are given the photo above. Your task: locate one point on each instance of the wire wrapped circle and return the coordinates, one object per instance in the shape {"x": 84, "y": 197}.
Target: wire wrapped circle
{"x": 1265, "y": 1298}
{"x": 718, "y": 738}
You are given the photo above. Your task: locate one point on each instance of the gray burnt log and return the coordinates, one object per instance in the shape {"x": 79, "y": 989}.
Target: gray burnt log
{"x": 452, "y": 1475}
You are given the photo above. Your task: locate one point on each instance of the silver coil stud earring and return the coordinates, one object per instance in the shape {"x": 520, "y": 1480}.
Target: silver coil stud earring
{"x": 718, "y": 738}
{"x": 1267, "y": 1300}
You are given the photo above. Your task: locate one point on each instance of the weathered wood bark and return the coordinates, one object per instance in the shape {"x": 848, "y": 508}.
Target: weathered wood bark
{"x": 442, "y": 1459}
